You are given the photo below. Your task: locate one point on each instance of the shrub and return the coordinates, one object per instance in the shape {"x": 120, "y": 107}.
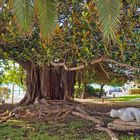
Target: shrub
{"x": 134, "y": 91}
{"x": 78, "y": 91}
{"x": 91, "y": 91}
{"x": 4, "y": 92}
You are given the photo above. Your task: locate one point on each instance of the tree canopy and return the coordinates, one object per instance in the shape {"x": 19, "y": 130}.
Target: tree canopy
{"x": 78, "y": 40}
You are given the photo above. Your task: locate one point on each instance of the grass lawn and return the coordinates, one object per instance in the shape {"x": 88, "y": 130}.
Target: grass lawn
{"x": 74, "y": 130}
{"x": 126, "y": 98}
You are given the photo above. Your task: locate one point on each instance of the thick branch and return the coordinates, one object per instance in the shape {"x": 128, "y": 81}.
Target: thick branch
{"x": 121, "y": 64}
{"x": 99, "y": 60}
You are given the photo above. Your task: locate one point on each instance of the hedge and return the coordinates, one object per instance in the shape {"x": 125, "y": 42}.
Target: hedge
{"x": 134, "y": 91}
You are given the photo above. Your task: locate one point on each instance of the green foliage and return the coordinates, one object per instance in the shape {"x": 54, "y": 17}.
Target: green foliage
{"x": 14, "y": 74}
{"x": 78, "y": 91}
{"x": 109, "y": 15}
{"x": 4, "y": 92}
{"x": 135, "y": 3}
{"x": 78, "y": 40}
{"x": 24, "y": 14}
{"x": 134, "y": 91}
{"x": 46, "y": 11}
{"x": 109, "y": 18}
{"x": 91, "y": 91}
{"x": 4, "y": 66}
{"x": 42, "y": 11}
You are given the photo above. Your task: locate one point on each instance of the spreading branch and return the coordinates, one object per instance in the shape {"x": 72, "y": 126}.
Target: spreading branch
{"x": 99, "y": 60}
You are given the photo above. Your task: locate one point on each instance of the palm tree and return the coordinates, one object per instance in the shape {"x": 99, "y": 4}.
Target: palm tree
{"x": 45, "y": 10}
{"x": 27, "y": 11}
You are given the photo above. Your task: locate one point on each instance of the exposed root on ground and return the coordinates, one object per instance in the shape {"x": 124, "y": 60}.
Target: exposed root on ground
{"x": 124, "y": 126}
{"x": 8, "y": 116}
{"x": 108, "y": 131}
{"x": 56, "y": 109}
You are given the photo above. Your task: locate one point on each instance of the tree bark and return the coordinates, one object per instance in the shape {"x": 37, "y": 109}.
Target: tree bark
{"x": 83, "y": 92}
{"x": 49, "y": 83}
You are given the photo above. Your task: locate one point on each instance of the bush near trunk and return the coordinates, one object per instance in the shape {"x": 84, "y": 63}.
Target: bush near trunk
{"x": 4, "y": 92}
{"x": 134, "y": 91}
{"x": 91, "y": 91}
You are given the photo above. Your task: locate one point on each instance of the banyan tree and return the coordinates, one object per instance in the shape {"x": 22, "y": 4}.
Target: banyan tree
{"x": 77, "y": 42}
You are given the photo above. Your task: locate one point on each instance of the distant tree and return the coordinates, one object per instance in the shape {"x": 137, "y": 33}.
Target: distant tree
{"x": 4, "y": 92}
{"x": 4, "y": 66}
{"x": 102, "y": 75}
{"x": 15, "y": 74}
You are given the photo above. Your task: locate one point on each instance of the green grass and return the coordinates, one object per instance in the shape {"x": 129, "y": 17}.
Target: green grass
{"x": 73, "y": 130}
{"x": 125, "y": 98}
{"x": 130, "y": 138}
{"x": 19, "y": 130}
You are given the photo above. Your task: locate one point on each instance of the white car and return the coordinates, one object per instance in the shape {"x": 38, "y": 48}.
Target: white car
{"x": 114, "y": 92}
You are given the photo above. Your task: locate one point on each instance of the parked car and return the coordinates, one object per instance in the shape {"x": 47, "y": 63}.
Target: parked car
{"x": 115, "y": 90}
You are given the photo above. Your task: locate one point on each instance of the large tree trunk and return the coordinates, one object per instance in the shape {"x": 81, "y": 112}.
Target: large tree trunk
{"x": 47, "y": 82}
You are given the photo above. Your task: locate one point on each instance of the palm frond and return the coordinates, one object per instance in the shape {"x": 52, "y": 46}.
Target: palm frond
{"x": 46, "y": 13}
{"x": 109, "y": 17}
{"x": 23, "y": 10}
{"x": 1, "y": 4}
{"x": 135, "y": 3}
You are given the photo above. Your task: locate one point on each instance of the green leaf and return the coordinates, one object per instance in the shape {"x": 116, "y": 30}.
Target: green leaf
{"x": 24, "y": 11}
{"x": 109, "y": 17}
{"x": 135, "y": 3}
{"x": 1, "y": 3}
{"x": 46, "y": 12}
